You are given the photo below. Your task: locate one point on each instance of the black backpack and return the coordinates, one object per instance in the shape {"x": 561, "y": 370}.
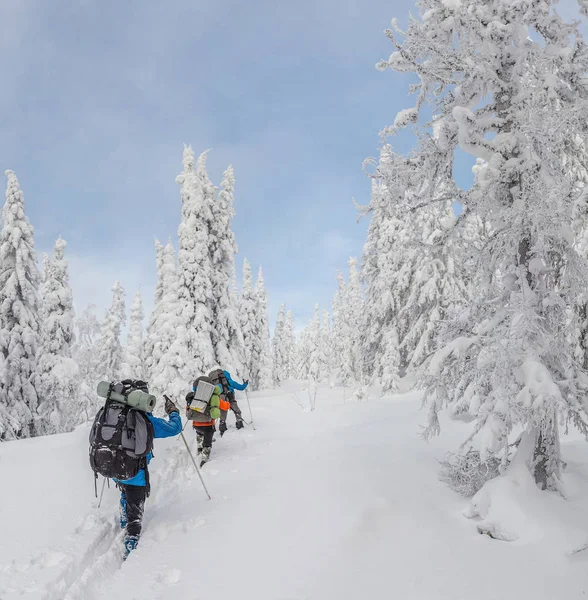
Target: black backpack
{"x": 120, "y": 440}
{"x": 218, "y": 377}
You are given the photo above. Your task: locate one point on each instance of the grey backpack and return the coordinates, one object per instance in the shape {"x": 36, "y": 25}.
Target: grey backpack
{"x": 120, "y": 440}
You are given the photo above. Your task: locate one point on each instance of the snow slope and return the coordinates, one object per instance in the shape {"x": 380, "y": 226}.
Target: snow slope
{"x": 339, "y": 503}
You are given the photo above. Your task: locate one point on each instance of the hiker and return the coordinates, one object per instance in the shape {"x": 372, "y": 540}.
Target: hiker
{"x": 203, "y": 406}
{"x": 223, "y": 378}
{"x": 137, "y": 432}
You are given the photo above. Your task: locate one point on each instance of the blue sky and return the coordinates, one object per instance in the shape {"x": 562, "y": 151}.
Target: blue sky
{"x": 98, "y": 98}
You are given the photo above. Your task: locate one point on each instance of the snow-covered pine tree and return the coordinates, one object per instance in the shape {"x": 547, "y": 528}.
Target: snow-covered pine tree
{"x": 59, "y": 373}
{"x": 387, "y": 271}
{"x": 505, "y": 80}
{"x": 289, "y": 346}
{"x": 227, "y": 338}
{"x": 134, "y": 353}
{"x": 279, "y": 348}
{"x": 249, "y": 323}
{"x": 170, "y": 362}
{"x": 19, "y": 319}
{"x": 338, "y": 333}
{"x": 195, "y": 269}
{"x": 326, "y": 346}
{"x": 149, "y": 338}
{"x": 347, "y": 327}
{"x": 262, "y": 351}
{"x": 110, "y": 353}
{"x": 433, "y": 283}
{"x": 303, "y": 354}
{"x": 315, "y": 357}
{"x": 86, "y": 350}
{"x": 354, "y": 311}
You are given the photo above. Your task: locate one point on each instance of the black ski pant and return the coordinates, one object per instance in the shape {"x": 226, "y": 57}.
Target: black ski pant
{"x": 207, "y": 432}
{"x": 132, "y": 502}
{"x": 234, "y": 407}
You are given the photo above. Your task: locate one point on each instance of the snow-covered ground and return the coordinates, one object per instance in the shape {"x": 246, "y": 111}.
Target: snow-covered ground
{"x": 339, "y": 503}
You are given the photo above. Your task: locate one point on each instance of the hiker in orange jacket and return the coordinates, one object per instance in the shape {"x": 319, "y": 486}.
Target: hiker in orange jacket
{"x": 202, "y": 423}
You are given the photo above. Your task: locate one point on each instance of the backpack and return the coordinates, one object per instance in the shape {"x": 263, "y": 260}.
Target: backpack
{"x": 205, "y": 400}
{"x": 218, "y": 377}
{"x": 120, "y": 440}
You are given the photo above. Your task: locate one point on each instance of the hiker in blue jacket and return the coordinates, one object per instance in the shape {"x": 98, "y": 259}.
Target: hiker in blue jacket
{"x": 223, "y": 378}
{"x": 135, "y": 490}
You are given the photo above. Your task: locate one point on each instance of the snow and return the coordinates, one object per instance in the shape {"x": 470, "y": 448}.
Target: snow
{"x": 339, "y": 503}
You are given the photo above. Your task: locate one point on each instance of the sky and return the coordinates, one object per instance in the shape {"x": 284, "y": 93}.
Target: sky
{"x": 98, "y": 99}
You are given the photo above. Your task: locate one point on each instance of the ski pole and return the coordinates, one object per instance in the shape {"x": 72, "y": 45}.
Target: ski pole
{"x": 102, "y": 492}
{"x": 249, "y": 405}
{"x": 195, "y": 465}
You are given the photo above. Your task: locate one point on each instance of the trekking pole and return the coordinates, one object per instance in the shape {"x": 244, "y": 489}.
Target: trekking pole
{"x": 195, "y": 465}
{"x": 102, "y": 492}
{"x": 249, "y": 405}
{"x": 192, "y": 456}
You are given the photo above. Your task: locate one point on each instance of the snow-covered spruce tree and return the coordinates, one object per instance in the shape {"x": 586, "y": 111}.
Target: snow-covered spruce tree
{"x": 316, "y": 366}
{"x": 110, "y": 352}
{"x": 387, "y": 272}
{"x": 338, "y": 332}
{"x": 59, "y": 373}
{"x": 505, "y": 78}
{"x": 19, "y": 319}
{"x": 170, "y": 360}
{"x": 249, "y": 323}
{"x": 195, "y": 269}
{"x": 289, "y": 346}
{"x": 326, "y": 345}
{"x": 435, "y": 283}
{"x": 279, "y": 348}
{"x": 85, "y": 350}
{"x": 227, "y": 338}
{"x": 347, "y": 327}
{"x": 149, "y": 338}
{"x": 262, "y": 350}
{"x": 134, "y": 353}
{"x": 303, "y": 353}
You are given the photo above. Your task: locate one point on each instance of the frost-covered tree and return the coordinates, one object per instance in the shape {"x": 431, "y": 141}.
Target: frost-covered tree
{"x": 59, "y": 373}
{"x": 150, "y": 338}
{"x": 316, "y": 358}
{"x": 347, "y": 314}
{"x": 289, "y": 346}
{"x": 19, "y": 319}
{"x": 85, "y": 351}
{"x": 195, "y": 269}
{"x": 504, "y": 81}
{"x": 249, "y": 323}
{"x": 326, "y": 346}
{"x": 338, "y": 332}
{"x": 227, "y": 338}
{"x": 134, "y": 353}
{"x": 110, "y": 352}
{"x": 170, "y": 360}
{"x": 279, "y": 342}
{"x": 303, "y": 354}
{"x": 262, "y": 357}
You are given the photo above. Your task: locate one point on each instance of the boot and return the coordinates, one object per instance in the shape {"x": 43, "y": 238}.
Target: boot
{"x": 200, "y": 440}
{"x": 205, "y": 456}
{"x": 239, "y": 425}
{"x": 222, "y": 427}
{"x": 130, "y": 543}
